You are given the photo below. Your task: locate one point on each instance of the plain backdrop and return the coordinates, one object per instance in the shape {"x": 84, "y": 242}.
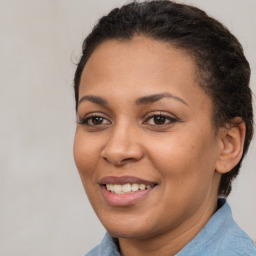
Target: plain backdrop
{"x": 43, "y": 207}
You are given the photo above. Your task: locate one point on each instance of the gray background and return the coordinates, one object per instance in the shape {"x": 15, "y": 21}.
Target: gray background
{"x": 43, "y": 208}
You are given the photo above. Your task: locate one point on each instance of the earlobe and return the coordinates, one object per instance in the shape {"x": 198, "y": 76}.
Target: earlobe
{"x": 232, "y": 138}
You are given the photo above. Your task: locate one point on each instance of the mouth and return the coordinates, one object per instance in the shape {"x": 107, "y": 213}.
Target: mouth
{"x": 125, "y": 190}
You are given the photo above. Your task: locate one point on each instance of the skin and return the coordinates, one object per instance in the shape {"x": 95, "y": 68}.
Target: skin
{"x": 185, "y": 156}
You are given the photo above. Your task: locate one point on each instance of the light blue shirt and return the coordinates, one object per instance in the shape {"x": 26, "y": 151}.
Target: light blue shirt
{"x": 221, "y": 236}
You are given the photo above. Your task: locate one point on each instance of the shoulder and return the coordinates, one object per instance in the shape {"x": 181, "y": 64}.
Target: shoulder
{"x": 220, "y": 236}
{"x": 229, "y": 238}
{"x": 234, "y": 243}
{"x": 237, "y": 242}
{"x": 234, "y": 240}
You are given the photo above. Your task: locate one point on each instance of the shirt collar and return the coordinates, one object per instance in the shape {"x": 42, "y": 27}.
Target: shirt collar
{"x": 109, "y": 246}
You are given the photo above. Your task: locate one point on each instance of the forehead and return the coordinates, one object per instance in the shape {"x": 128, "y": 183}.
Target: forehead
{"x": 138, "y": 51}
{"x": 140, "y": 66}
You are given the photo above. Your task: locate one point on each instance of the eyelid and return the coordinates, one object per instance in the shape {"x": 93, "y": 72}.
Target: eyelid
{"x": 171, "y": 117}
{"x": 150, "y": 123}
{"x": 82, "y": 120}
{"x": 160, "y": 113}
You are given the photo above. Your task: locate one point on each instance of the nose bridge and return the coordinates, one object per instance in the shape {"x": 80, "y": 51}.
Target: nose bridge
{"x": 122, "y": 144}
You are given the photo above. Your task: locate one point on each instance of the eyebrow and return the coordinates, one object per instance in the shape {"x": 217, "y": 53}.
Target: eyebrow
{"x": 156, "y": 97}
{"x": 94, "y": 99}
{"x": 140, "y": 101}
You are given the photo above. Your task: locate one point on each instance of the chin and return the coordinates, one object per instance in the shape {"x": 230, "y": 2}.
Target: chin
{"x": 134, "y": 227}
{"x": 127, "y": 233}
{"x": 123, "y": 225}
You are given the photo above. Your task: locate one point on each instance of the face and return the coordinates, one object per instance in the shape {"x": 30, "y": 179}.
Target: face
{"x": 145, "y": 146}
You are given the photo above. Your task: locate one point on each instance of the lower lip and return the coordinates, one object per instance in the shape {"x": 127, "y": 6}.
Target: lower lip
{"x": 124, "y": 199}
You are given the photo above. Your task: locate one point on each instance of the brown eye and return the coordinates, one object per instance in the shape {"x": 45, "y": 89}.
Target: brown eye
{"x": 158, "y": 120}
{"x": 94, "y": 120}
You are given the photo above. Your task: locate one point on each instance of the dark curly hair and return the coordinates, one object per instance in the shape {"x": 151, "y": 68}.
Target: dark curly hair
{"x": 223, "y": 71}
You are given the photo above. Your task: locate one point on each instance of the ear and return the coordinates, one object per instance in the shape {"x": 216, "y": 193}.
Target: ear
{"x": 231, "y": 137}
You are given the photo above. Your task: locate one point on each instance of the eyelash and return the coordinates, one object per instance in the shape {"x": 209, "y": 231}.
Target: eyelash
{"x": 88, "y": 118}
{"x": 104, "y": 121}
{"x": 171, "y": 120}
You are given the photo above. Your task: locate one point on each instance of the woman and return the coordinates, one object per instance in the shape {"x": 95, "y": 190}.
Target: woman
{"x": 164, "y": 120}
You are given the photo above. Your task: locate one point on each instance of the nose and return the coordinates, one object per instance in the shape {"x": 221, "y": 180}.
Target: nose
{"x": 123, "y": 146}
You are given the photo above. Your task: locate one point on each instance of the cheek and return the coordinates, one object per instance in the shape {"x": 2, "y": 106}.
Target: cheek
{"x": 86, "y": 154}
{"x": 182, "y": 159}
{"x": 187, "y": 174}
{"x": 172, "y": 153}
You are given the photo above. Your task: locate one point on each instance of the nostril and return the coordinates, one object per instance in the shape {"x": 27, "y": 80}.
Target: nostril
{"x": 119, "y": 162}
{"x": 130, "y": 159}
{"x": 117, "y": 155}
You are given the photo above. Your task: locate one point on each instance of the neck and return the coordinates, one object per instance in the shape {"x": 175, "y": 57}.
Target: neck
{"x": 170, "y": 242}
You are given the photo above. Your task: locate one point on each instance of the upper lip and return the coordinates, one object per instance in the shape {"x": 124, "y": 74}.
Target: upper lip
{"x": 124, "y": 180}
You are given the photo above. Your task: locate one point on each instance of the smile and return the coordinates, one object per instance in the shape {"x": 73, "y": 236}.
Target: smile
{"x": 126, "y": 188}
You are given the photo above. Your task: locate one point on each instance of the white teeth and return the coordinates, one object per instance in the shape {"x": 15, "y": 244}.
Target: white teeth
{"x": 135, "y": 187}
{"x": 118, "y": 189}
{"x": 126, "y": 188}
{"x": 142, "y": 186}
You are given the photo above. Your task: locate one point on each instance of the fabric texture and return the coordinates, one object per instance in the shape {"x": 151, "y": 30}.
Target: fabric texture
{"x": 221, "y": 236}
